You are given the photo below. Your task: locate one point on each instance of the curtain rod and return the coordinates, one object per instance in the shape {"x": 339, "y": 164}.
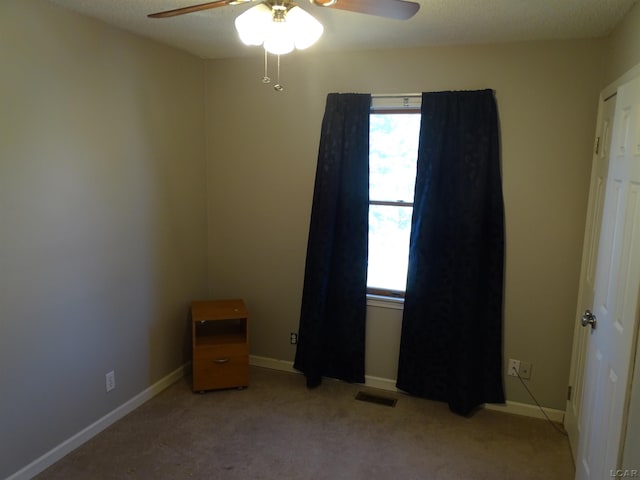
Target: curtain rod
{"x": 396, "y": 95}
{"x": 396, "y": 103}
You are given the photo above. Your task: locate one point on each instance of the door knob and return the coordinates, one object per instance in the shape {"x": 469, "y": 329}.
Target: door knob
{"x": 588, "y": 318}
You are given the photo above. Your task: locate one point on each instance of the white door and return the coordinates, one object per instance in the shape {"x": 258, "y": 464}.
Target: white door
{"x": 614, "y": 315}
{"x": 599, "y": 171}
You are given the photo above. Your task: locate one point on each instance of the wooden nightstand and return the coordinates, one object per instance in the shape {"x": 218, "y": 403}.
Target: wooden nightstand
{"x": 220, "y": 340}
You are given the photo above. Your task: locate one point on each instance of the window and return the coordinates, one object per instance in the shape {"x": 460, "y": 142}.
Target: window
{"x": 393, "y": 150}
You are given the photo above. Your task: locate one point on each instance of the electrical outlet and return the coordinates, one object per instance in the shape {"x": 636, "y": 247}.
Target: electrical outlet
{"x": 293, "y": 338}
{"x": 525, "y": 370}
{"x": 111, "y": 380}
{"x": 514, "y": 367}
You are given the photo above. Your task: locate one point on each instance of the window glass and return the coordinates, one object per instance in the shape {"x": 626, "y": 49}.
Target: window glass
{"x": 393, "y": 146}
{"x": 389, "y": 229}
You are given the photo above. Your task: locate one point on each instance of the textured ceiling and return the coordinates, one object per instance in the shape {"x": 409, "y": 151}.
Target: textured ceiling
{"x": 211, "y": 34}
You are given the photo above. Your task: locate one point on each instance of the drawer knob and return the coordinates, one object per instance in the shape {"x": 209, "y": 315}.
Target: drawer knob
{"x": 222, "y": 360}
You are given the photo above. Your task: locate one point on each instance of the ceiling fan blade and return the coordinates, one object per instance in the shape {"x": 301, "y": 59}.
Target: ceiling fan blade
{"x": 396, "y": 9}
{"x": 191, "y": 9}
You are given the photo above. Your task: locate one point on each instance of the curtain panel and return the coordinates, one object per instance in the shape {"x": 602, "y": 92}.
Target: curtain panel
{"x": 451, "y": 341}
{"x": 331, "y": 334}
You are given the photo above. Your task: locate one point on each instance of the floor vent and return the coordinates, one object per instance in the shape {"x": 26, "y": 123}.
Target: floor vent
{"x": 368, "y": 397}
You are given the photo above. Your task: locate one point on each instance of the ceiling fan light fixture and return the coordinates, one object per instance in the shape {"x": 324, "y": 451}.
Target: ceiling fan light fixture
{"x": 252, "y": 25}
{"x": 325, "y": 3}
{"x": 279, "y": 38}
{"x": 280, "y": 27}
{"x": 305, "y": 28}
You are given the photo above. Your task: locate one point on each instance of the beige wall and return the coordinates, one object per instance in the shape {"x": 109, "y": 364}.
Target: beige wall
{"x": 262, "y": 158}
{"x": 623, "y": 46}
{"x": 102, "y": 220}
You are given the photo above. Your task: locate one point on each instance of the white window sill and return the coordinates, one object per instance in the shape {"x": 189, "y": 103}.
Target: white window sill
{"x": 385, "y": 302}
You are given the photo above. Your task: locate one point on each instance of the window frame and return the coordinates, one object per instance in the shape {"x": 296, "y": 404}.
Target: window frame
{"x": 376, "y": 292}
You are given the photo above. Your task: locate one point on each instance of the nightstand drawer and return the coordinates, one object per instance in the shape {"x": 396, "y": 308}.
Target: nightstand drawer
{"x": 219, "y": 368}
{"x": 220, "y": 351}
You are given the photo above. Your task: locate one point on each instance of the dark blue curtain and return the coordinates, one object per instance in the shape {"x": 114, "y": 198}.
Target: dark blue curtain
{"x": 332, "y": 321}
{"x": 451, "y": 344}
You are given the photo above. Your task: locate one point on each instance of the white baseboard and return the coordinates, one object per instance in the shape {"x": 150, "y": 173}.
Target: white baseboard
{"x": 55, "y": 454}
{"x": 527, "y": 410}
{"x": 272, "y": 363}
{"x": 515, "y": 408}
{"x": 287, "y": 366}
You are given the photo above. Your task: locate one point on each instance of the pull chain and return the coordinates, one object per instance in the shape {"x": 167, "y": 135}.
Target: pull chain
{"x": 266, "y": 78}
{"x": 277, "y": 87}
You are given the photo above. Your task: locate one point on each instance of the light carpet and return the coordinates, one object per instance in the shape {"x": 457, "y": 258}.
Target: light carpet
{"x": 279, "y": 429}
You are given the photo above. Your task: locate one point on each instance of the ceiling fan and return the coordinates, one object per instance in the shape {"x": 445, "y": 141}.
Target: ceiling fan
{"x": 280, "y": 25}
{"x": 395, "y": 9}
